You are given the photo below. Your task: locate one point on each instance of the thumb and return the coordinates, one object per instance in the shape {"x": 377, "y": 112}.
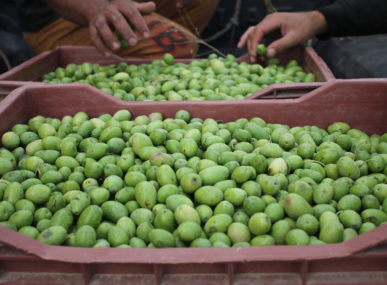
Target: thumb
{"x": 282, "y": 44}
{"x": 146, "y": 7}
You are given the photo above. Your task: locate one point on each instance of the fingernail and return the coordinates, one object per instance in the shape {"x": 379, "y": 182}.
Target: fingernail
{"x": 146, "y": 35}
{"x": 116, "y": 45}
{"x": 271, "y": 52}
{"x": 132, "y": 41}
{"x": 107, "y": 54}
{"x": 252, "y": 59}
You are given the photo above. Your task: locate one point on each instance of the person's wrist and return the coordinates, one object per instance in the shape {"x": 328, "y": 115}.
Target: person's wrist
{"x": 318, "y": 21}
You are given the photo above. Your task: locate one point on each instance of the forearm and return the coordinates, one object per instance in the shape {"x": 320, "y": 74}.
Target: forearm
{"x": 355, "y": 17}
{"x": 76, "y": 11}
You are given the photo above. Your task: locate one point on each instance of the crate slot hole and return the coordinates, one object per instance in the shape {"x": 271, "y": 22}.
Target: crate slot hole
{"x": 278, "y": 94}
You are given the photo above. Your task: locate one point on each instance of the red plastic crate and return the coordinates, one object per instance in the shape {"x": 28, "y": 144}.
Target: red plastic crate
{"x": 363, "y": 260}
{"x": 33, "y": 69}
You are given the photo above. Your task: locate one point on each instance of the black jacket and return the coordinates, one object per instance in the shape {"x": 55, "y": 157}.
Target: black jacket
{"x": 34, "y": 15}
{"x": 355, "y": 17}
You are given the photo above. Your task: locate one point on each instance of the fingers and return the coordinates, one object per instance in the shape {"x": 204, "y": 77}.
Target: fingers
{"x": 117, "y": 17}
{"x": 254, "y": 35}
{"x": 108, "y": 37}
{"x": 268, "y": 25}
{"x": 133, "y": 15}
{"x": 296, "y": 29}
{"x": 99, "y": 44}
{"x": 244, "y": 37}
{"x": 118, "y": 21}
{"x": 146, "y": 7}
{"x": 287, "y": 41}
{"x": 251, "y": 38}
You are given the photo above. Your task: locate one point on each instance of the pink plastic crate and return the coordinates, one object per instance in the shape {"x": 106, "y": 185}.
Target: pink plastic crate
{"x": 33, "y": 69}
{"x": 362, "y": 260}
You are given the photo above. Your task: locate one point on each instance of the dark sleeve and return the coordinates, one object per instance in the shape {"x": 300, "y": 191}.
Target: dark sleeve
{"x": 355, "y": 17}
{"x": 34, "y": 14}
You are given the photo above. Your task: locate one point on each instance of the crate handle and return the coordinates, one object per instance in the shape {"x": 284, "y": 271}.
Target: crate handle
{"x": 285, "y": 91}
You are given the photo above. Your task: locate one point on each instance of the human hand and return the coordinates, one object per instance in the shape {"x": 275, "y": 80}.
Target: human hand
{"x": 186, "y": 3}
{"x": 115, "y": 15}
{"x": 295, "y": 28}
